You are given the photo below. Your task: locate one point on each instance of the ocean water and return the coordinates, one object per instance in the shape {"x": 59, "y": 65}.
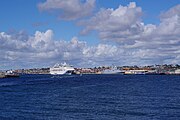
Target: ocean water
{"x": 90, "y": 97}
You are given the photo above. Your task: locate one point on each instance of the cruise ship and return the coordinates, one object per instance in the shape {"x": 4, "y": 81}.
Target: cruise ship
{"x": 61, "y": 69}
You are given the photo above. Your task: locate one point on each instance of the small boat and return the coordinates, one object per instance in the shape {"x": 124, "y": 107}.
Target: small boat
{"x": 11, "y": 74}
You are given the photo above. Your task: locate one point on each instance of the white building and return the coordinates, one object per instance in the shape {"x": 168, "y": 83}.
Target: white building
{"x": 177, "y": 71}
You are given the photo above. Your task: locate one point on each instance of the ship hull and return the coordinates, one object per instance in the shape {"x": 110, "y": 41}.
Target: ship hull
{"x": 57, "y": 73}
{"x": 8, "y": 76}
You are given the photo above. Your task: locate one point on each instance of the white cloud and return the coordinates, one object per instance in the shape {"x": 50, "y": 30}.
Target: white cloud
{"x": 118, "y": 25}
{"x": 68, "y": 9}
{"x": 174, "y": 11}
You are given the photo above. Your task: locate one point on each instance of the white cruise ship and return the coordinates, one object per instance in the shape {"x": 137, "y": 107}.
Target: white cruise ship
{"x": 61, "y": 69}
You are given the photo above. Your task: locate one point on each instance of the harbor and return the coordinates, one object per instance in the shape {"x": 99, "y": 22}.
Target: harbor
{"x": 60, "y": 69}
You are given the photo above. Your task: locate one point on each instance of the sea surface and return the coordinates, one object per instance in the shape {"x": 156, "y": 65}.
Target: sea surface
{"x": 90, "y": 97}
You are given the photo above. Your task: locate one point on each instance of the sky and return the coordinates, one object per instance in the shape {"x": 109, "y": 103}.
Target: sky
{"x": 88, "y": 33}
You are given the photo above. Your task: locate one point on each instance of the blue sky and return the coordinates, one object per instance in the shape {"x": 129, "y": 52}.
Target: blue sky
{"x": 28, "y": 16}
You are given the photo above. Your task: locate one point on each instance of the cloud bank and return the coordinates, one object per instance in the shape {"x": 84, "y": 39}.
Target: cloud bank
{"x": 21, "y": 50}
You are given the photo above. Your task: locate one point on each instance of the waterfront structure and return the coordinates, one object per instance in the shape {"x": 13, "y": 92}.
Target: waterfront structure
{"x": 150, "y": 70}
{"x": 61, "y": 69}
{"x": 136, "y": 72}
{"x": 112, "y": 70}
{"x": 177, "y": 71}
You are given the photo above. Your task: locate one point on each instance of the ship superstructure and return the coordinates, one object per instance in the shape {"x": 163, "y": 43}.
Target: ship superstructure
{"x": 61, "y": 69}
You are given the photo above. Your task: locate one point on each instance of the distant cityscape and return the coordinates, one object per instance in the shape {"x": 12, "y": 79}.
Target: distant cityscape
{"x": 152, "y": 69}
